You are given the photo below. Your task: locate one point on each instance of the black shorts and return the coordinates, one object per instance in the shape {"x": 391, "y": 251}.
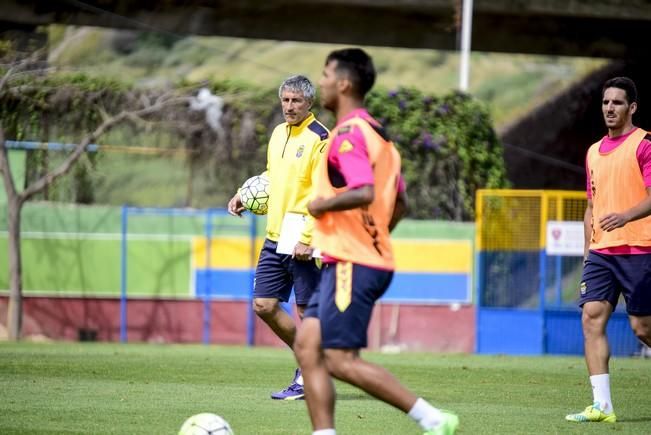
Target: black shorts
{"x": 276, "y": 274}
{"x": 344, "y": 303}
{"x": 605, "y": 277}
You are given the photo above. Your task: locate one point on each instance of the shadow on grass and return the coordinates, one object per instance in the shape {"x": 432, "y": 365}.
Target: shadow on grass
{"x": 354, "y": 396}
{"x": 634, "y": 420}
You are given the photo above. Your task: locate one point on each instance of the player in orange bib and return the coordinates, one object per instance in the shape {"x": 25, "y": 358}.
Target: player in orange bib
{"x": 617, "y": 239}
{"x": 360, "y": 197}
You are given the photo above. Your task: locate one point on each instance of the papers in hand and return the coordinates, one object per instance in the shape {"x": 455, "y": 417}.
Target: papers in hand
{"x": 290, "y": 234}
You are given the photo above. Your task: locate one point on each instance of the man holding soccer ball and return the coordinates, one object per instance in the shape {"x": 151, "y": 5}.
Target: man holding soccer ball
{"x": 359, "y": 198}
{"x": 293, "y": 154}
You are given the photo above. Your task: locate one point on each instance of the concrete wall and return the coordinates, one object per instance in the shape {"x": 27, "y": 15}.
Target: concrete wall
{"x": 394, "y": 327}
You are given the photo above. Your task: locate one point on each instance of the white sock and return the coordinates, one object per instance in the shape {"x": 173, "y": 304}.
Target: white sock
{"x": 601, "y": 392}
{"x": 425, "y": 414}
{"x": 324, "y": 432}
{"x": 299, "y": 380}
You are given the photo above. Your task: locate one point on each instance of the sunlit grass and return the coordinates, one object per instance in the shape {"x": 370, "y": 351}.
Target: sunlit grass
{"x": 68, "y": 388}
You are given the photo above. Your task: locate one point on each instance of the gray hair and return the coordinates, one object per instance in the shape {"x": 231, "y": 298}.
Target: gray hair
{"x": 298, "y": 83}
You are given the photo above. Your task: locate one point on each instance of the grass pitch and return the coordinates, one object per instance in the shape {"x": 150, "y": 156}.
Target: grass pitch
{"x": 70, "y": 388}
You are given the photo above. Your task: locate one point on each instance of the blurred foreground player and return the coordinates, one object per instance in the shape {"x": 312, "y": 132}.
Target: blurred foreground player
{"x": 360, "y": 198}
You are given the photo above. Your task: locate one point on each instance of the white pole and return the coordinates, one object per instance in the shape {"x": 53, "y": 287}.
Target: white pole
{"x": 466, "y": 33}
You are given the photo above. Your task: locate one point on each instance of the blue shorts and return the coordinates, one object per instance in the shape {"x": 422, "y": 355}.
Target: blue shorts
{"x": 344, "y": 302}
{"x": 605, "y": 277}
{"x": 276, "y": 274}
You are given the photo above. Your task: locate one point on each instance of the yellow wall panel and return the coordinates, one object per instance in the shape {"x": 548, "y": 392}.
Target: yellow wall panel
{"x": 434, "y": 256}
{"x": 225, "y": 252}
{"x": 431, "y": 256}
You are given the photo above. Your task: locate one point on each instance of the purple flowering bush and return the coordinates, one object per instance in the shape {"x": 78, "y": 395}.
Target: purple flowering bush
{"x": 448, "y": 146}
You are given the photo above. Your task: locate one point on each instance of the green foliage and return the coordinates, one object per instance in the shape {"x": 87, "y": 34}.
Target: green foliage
{"x": 448, "y": 146}
{"x": 155, "y": 39}
{"x": 70, "y": 100}
{"x": 59, "y": 107}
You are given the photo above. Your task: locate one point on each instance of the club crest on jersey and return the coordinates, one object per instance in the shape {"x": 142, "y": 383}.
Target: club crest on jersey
{"x": 299, "y": 151}
{"x": 345, "y": 146}
{"x": 583, "y": 288}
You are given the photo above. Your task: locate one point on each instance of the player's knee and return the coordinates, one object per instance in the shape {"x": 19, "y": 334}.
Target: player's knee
{"x": 642, "y": 329}
{"x": 334, "y": 365}
{"x": 307, "y": 346}
{"x": 592, "y": 327}
{"x": 264, "y": 307}
{"x": 305, "y": 354}
{"x": 339, "y": 365}
{"x": 594, "y": 319}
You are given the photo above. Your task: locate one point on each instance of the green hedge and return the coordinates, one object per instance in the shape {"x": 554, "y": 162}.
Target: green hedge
{"x": 448, "y": 145}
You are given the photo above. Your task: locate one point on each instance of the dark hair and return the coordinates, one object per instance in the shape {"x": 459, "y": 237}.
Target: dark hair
{"x": 357, "y": 65}
{"x": 624, "y": 83}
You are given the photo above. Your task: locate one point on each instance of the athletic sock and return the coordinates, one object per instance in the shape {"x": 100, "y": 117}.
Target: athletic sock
{"x": 601, "y": 392}
{"x": 324, "y": 432}
{"x": 299, "y": 379}
{"x": 425, "y": 414}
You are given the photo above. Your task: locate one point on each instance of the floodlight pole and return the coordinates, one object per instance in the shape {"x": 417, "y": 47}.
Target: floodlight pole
{"x": 466, "y": 37}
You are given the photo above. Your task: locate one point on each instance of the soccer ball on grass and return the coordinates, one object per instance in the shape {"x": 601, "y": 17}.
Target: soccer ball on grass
{"x": 206, "y": 424}
{"x": 254, "y": 194}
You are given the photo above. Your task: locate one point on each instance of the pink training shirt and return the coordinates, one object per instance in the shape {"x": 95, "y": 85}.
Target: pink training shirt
{"x": 644, "y": 160}
{"x": 352, "y": 168}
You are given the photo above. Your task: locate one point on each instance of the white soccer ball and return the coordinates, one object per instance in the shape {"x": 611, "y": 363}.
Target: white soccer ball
{"x": 254, "y": 194}
{"x": 206, "y": 423}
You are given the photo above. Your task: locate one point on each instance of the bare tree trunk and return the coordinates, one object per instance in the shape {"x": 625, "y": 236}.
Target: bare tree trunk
{"x": 16, "y": 200}
{"x": 188, "y": 191}
{"x": 14, "y": 319}
{"x": 15, "y": 205}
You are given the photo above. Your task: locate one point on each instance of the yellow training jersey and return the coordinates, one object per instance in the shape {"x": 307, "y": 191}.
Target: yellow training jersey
{"x": 293, "y": 154}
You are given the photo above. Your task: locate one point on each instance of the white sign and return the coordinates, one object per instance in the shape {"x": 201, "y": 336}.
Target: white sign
{"x": 565, "y": 238}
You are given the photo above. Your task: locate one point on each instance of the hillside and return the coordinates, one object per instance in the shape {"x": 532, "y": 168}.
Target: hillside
{"x": 511, "y": 85}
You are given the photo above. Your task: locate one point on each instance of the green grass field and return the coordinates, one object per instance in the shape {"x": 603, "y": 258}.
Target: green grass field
{"x": 68, "y": 388}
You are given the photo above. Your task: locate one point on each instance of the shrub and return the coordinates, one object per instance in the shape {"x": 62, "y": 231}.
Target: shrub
{"x": 448, "y": 146}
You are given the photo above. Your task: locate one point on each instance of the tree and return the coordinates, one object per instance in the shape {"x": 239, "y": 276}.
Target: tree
{"x": 13, "y": 78}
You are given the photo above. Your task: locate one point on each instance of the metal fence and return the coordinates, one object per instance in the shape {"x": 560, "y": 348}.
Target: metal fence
{"x": 527, "y": 295}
